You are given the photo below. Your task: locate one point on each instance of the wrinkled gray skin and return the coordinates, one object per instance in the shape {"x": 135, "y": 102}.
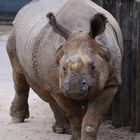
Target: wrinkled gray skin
{"x": 71, "y": 65}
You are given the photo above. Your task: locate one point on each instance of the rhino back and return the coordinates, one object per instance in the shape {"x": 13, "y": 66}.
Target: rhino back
{"x": 36, "y": 43}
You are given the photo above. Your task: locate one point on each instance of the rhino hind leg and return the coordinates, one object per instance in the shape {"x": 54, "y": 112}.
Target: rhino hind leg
{"x": 19, "y": 107}
{"x": 61, "y": 125}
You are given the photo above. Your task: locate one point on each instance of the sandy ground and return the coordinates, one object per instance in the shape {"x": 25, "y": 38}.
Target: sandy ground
{"x": 38, "y": 126}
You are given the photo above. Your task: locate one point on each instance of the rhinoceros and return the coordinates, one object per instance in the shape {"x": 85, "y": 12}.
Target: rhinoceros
{"x": 70, "y": 53}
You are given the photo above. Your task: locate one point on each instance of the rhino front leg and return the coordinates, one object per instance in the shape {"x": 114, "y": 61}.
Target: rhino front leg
{"x": 61, "y": 125}
{"x": 96, "y": 111}
{"x": 73, "y": 112}
{"x": 19, "y": 108}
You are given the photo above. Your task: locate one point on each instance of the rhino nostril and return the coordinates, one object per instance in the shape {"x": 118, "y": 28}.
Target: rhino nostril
{"x": 66, "y": 87}
{"x": 84, "y": 83}
{"x": 84, "y": 86}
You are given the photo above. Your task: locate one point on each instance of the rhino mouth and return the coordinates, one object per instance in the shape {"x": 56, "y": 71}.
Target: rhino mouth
{"x": 76, "y": 96}
{"x": 77, "y": 90}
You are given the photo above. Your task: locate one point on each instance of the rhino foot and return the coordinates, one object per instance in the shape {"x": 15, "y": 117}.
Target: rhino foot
{"x": 62, "y": 129}
{"x": 19, "y": 119}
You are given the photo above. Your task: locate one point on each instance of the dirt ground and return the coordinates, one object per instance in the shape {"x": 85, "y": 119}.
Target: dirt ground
{"x": 38, "y": 126}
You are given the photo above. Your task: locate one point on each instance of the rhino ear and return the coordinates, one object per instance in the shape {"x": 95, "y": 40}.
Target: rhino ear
{"x": 103, "y": 52}
{"x": 97, "y": 25}
{"x": 58, "y": 28}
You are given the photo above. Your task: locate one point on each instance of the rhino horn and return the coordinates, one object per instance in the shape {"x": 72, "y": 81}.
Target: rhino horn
{"x": 58, "y": 28}
{"x": 97, "y": 25}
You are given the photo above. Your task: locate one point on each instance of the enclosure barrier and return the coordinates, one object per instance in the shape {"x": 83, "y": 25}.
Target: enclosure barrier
{"x": 135, "y": 105}
{"x": 126, "y": 104}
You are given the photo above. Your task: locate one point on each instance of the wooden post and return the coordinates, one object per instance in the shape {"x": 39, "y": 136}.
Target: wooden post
{"x": 99, "y": 2}
{"x": 109, "y": 5}
{"x": 121, "y": 108}
{"x": 135, "y": 106}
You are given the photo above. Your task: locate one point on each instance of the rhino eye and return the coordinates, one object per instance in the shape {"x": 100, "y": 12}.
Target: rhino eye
{"x": 64, "y": 69}
{"x": 92, "y": 67}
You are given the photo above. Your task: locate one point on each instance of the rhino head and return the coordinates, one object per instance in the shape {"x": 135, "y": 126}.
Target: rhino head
{"x": 84, "y": 64}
